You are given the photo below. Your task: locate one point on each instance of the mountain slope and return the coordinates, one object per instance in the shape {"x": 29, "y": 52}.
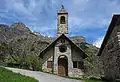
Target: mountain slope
{"x": 18, "y": 43}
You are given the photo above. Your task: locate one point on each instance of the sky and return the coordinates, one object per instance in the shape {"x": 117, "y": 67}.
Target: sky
{"x": 88, "y": 18}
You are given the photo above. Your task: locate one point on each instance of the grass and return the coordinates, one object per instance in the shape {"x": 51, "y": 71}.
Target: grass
{"x": 86, "y": 79}
{"x": 93, "y": 79}
{"x": 9, "y": 76}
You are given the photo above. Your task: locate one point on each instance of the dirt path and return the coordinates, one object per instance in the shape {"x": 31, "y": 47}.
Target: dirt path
{"x": 42, "y": 77}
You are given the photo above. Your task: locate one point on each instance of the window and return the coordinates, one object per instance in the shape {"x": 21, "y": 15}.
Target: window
{"x": 49, "y": 64}
{"x": 74, "y": 64}
{"x": 62, "y": 20}
{"x": 62, "y": 48}
{"x": 78, "y": 64}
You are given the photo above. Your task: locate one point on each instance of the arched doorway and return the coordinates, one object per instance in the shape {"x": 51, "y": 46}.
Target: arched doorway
{"x": 63, "y": 66}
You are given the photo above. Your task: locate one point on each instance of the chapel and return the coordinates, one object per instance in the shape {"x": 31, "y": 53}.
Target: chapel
{"x": 63, "y": 57}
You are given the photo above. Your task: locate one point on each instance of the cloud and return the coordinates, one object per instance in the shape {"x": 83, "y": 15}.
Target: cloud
{"x": 34, "y": 13}
{"x": 98, "y": 42}
{"x": 41, "y": 15}
{"x": 91, "y": 13}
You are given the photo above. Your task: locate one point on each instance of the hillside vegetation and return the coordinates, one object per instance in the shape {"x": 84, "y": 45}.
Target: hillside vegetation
{"x": 19, "y": 47}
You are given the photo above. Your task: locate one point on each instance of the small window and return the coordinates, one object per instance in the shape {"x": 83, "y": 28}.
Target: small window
{"x": 49, "y": 64}
{"x": 80, "y": 65}
{"x": 62, "y": 20}
{"x": 74, "y": 64}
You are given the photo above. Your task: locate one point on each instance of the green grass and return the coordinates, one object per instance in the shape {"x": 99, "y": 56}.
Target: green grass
{"x": 92, "y": 80}
{"x": 9, "y": 76}
{"x": 86, "y": 79}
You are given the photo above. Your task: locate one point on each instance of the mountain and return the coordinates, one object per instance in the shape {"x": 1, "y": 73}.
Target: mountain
{"x": 17, "y": 42}
{"x": 78, "y": 39}
{"x": 20, "y": 26}
{"x": 18, "y": 35}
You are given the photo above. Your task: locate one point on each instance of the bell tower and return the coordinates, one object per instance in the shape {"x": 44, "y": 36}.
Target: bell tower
{"x": 62, "y": 27}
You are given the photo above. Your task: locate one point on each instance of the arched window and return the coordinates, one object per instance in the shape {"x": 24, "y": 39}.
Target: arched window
{"x": 62, "y": 20}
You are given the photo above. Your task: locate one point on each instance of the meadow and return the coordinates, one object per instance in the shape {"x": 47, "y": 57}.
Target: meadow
{"x": 9, "y": 76}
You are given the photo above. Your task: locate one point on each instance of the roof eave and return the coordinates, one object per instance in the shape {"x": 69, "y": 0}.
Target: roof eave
{"x": 41, "y": 54}
{"x": 111, "y": 26}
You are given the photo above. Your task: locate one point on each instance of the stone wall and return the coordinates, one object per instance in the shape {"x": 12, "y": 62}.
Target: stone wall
{"x": 71, "y": 53}
{"x": 47, "y": 57}
{"x": 62, "y": 28}
{"x": 58, "y": 53}
{"x": 76, "y": 56}
{"x": 110, "y": 55}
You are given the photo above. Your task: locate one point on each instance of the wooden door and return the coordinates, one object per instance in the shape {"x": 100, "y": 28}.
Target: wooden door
{"x": 63, "y": 67}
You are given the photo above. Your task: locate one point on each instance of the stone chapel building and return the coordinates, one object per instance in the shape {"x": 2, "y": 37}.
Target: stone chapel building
{"x": 62, "y": 56}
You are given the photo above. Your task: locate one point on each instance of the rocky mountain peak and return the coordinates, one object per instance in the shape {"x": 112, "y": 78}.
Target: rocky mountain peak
{"x": 78, "y": 39}
{"x": 4, "y": 26}
{"x": 20, "y": 26}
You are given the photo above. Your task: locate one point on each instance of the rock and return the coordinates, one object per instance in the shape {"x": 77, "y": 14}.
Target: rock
{"x": 7, "y": 33}
{"x": 37, "y": 33}
{"x": 20, "y": 26}
{"x": 78, "y": 39}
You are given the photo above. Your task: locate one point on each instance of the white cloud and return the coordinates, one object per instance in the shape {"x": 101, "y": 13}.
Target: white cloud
{"x": 30, "y": 12}
{"x": 98, "y": 42}
{"x": 39, "y": 15}
{"x": 79, "y": 23}
{"x": 91, "y": 14}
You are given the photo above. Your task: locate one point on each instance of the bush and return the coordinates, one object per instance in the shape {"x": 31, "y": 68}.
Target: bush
{"x": 30, "y": 62}
{"x": 35, "y": 63}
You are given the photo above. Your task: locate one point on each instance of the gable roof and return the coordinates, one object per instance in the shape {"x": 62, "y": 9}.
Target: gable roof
{"x": 115, "y": 21}
{"x": 53, "y": 43}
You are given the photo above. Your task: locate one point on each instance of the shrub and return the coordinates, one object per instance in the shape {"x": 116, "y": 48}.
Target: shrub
{"x": 30, "y": 62}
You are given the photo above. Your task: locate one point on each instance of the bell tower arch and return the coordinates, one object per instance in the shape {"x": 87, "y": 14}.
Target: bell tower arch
{"x": 62, "y": 27}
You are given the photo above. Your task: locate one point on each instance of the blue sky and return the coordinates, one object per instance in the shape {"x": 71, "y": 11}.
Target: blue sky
{"x": 88, "y": 18}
